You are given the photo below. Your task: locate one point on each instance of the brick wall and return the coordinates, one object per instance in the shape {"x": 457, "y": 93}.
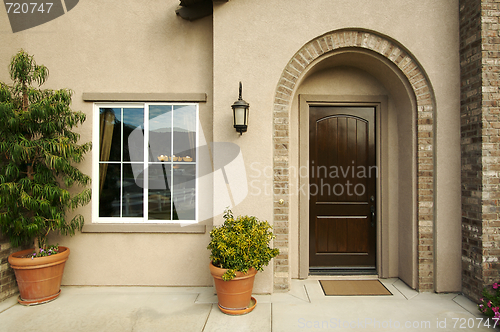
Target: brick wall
{"x": 471, "y": 144}
{"x": 480, "y": 143}
{"x": 491, "y": 139}
{"x": 8, "y": 286}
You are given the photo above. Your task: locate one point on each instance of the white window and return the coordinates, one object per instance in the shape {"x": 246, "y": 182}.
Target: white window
{"x": 153, "y": 141}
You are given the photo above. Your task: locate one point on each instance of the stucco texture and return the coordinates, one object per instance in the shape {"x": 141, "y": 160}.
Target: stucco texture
{"x": 137, "y": 47}
{"x": 124, "y": 47}
{"x": 254, "y": 41}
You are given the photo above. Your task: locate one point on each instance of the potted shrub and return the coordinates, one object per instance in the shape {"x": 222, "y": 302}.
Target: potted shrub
{"x": 38, "y": 153}
{"x": 239, "y": 248}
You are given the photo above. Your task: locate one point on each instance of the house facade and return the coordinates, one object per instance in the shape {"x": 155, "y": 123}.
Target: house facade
{"x": 365, "y": 148}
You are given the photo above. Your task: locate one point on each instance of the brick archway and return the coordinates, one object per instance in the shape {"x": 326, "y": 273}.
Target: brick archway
{"x": 411, "y": 69}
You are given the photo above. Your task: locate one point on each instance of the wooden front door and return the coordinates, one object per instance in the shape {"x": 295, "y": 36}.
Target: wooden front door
{"x": 342, "y": 188}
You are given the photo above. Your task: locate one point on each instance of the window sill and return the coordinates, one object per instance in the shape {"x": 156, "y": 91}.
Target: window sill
{"x": 143, "y": 228}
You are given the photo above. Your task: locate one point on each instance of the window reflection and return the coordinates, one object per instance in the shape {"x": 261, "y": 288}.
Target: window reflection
{"x": 110, "y": 134}
{"x": 184, "y": 184}
{"x": 160, "y": 132}
{"x": 109, "y": 196}
{"x": 133, "y": 194}
{"x": 171, "y": 165}
{"x": 159, "y": 196}
{"x": 184, "y": 133}
{"x": 133, "y": 150}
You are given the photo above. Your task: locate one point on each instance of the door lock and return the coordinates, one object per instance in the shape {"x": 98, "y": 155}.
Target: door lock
{"x": 374, "y": 216}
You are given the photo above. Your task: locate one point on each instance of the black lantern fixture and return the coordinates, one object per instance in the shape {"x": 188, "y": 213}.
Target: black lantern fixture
{"x": 240, "y": 114}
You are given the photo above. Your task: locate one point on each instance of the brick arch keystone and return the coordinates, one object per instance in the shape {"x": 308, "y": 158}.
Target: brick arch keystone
{"x": 411, "y": 69}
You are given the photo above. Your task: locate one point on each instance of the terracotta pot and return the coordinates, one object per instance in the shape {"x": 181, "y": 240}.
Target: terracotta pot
{"x": 38, "y": 279}
{"x": 235, "y": 294}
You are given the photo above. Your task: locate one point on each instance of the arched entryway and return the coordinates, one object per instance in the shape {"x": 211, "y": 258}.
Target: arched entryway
{"x": 360, "y": 68}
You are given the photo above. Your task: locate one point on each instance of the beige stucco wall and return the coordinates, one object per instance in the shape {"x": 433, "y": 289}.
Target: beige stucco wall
{"x": 253, "y": 42}
{"x": 127, "y": 47}
{"x": 134, "y": 47}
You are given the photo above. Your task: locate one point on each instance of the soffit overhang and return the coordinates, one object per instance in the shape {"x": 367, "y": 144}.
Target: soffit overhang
{"x": 192, "y": 10}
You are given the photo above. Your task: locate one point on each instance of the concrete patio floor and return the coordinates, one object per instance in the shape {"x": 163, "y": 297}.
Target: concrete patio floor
{"x": 304, "y": 308}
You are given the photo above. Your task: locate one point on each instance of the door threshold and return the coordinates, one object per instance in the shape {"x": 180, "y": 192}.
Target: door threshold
{"x": 343, "y": 277}
{"x": 329, "y": 271}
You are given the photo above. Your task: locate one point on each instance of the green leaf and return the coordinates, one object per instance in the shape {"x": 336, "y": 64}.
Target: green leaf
{"x": 240, "y": 244}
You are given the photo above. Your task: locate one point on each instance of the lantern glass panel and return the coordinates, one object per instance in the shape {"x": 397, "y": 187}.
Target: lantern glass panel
{"x": 239, "y": 116}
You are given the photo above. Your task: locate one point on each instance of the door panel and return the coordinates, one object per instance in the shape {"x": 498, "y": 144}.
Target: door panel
{"x": 342, "y": 179}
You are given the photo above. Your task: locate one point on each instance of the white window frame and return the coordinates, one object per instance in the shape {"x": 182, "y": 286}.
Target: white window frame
{"x": 96, "y": 162}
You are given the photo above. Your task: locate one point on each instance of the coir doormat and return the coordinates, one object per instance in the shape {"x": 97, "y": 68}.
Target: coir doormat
{"x": 353, "y": 287}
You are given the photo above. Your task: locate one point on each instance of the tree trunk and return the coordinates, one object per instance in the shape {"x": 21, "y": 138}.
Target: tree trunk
{"x": 37, "y": 245}
{"x": 30, "y": 174}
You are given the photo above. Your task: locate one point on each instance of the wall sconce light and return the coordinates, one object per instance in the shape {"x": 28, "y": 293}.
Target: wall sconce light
{"x": 240, "y": 114}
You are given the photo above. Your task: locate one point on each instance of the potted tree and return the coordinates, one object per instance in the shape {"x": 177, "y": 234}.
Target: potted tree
{"x": 38, "y": 153}
{"x": 239, "y": 248}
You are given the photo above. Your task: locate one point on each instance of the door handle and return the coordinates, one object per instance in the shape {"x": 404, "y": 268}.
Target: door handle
{"x": 374, "y": 216}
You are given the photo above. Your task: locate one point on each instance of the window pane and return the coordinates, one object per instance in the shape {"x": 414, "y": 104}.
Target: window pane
{"x": 171, "y": 165}
{"x": 133, "y": 193}
{"x": 133, "y": 134}
{"x": 185, "y": 132}
{"x": 110, "y": 134}
{"x": 184, "y": 195}
{"x": 160, "y": 132}
{"x": 159, "y": 197}
{"x": 109, "y": 190}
